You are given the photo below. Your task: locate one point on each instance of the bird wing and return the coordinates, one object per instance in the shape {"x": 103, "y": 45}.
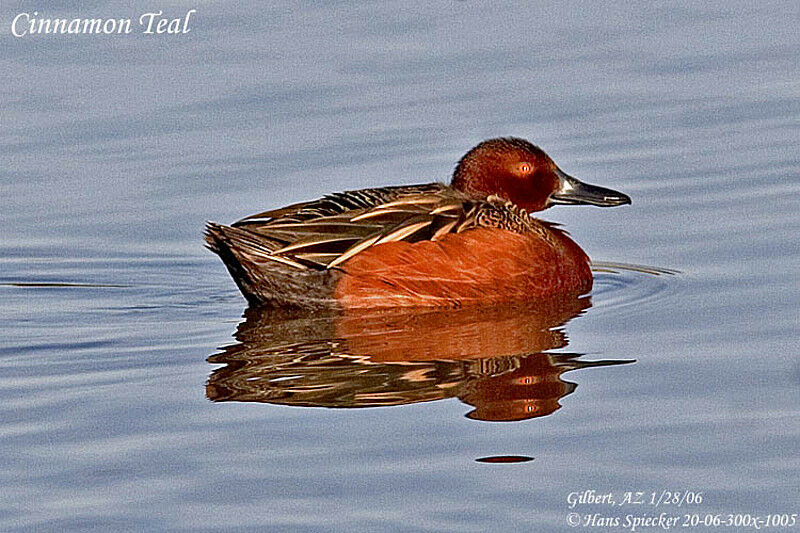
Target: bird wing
{"x": 324, "y": 233}
{"x": 340, "y": 203}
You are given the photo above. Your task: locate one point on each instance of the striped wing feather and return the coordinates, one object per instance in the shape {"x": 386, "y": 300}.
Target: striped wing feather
{"x": 340, "y": 203}
{"x": 324, "y": 233}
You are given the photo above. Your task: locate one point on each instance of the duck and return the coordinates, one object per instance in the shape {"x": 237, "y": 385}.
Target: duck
{"x": 472, "y": 242}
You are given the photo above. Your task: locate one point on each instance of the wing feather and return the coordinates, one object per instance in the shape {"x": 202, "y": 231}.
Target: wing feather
{"x": 406, "y": 230}
{"x": 324, "y": 233}
{"x": 353, "y": 250}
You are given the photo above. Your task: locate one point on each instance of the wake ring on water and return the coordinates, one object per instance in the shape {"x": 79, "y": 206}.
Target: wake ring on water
{"x": 622, "y": 284}
{"x": 609, "y": 266}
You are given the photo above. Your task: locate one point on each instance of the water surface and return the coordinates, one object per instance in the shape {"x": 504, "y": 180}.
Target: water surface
{"x": 115, "y": 150}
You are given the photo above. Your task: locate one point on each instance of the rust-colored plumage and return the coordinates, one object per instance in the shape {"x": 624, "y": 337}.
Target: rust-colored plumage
{"x": 468, "y": 243}
{"x": 481, "y": 266}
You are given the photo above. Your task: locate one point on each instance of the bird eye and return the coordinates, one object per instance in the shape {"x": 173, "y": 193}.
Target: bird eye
{"x": 524, "y": 168}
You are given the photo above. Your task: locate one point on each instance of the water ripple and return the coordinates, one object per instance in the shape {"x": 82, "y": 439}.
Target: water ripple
{"x": 618, "y": 285}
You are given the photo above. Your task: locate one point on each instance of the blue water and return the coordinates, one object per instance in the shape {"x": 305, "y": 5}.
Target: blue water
{"x": 114, "y": 151}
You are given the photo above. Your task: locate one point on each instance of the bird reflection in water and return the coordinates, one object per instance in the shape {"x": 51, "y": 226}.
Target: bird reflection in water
{"x": 494, "y": 359}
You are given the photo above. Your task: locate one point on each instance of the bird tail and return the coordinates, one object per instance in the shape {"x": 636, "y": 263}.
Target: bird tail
{"x": 261, "y": 276}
